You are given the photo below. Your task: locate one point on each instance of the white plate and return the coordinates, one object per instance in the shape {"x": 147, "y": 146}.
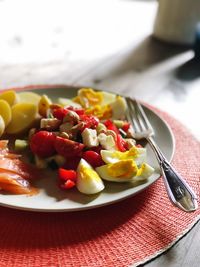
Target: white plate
{"x": 52, "y": 199}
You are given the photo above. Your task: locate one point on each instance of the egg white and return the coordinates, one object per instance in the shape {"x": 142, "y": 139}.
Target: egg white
{"x": 143, "y": 173}
{"x": 108, "y": 98}
{"x": 115, "y": 156}
{"x": 65, "y": 102}
{"x": 88, "y": 180}
{"x": 121, "y": 171}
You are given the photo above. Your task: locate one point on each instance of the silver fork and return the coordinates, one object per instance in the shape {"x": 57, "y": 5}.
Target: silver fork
{"x": 179, "y": 192}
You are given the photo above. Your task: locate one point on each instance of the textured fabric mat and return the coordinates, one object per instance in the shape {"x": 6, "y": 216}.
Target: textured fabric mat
{"x": 123, "y": 234}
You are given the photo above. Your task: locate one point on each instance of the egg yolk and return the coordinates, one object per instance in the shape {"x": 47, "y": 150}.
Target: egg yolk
{"x": 101, "y": 112}
{"x": 141, "y": 170}
{"x": 88, "y": 97}
{"x": 123, "y": 168}
{"x": 88, "y": 173}
{"x": 132, "y": 153}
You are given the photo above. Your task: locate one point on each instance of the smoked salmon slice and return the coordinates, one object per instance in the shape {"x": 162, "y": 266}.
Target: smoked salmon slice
{"x": 14, "y": 173}
{"x": 14, "y": 183}
{"x": 17, "y": 166}
{"x": 4, "y": 151}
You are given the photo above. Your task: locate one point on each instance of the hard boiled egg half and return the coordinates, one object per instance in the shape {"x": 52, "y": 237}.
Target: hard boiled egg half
{"x": 138, "y": 154}
{"x": 124, "y": 171}
{"x": 88, "y": 97}
{"x": 121, "y": 171}
{"x": 88, "y": 180}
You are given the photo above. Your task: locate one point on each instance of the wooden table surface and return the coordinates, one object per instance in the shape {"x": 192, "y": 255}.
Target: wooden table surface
{"x": 108, "y": 45}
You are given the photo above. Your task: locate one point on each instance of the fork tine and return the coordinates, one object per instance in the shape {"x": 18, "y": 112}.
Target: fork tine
{"x": 140, "y": 120}
{"x": 143, "y": 115}
{"x": 131, "y": 115}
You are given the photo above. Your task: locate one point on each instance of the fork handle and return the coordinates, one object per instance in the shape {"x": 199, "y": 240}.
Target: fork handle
{"x": 178, "y": 190}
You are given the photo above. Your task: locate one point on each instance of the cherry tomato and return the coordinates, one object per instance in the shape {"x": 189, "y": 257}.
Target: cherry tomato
{"x": 59, "y": 113}
{"x": 42, "y": 144}
{"x": 93, "y": 158}
{"x": 65, "y": 175}
{"x": 68, "y": 148}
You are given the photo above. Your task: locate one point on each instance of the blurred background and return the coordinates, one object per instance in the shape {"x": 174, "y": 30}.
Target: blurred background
{"x": 106, "y": 44}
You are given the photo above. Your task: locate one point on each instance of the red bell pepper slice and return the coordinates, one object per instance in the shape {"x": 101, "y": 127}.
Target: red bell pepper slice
{"x": 65, "y": 175}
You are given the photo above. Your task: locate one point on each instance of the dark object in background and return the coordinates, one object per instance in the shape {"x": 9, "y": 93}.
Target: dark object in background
{"x": 197, "y": 43}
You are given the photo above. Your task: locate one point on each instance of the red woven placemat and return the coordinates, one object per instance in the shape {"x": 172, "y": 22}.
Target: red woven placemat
{"x": 130, "y": 232}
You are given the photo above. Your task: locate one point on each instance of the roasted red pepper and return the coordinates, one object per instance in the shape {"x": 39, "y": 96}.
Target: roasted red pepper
{"x": 111, "y": 126}
{"x": 68, "y": 148}
{"x": 120, "y": 142}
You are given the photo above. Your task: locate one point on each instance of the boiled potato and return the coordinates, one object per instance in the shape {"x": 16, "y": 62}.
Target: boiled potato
{"x": 23, "y": 116}
{"x": 9, "y": 96}
{"x": 44, "y": 105}
{"x": 5, "y": 111}
{"x": 29, "y": 97}
{"x": 2, "y": 126}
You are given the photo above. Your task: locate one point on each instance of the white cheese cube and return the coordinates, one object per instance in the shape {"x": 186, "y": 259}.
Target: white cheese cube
{"x": 107, "y": 141}
{"x": 130, "y": 142}
{"x": 50, "y": 123}
{"x": 90, "y": 137}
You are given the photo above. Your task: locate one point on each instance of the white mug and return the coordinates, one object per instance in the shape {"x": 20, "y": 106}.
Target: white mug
{"x": 176, "y": 21}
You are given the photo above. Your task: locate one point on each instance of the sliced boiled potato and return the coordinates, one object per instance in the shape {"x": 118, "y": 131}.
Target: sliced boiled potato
{"x": 44, "y": 105}
{"x": 5, "y": 111}
{"x": 23, "y": 116}
{"x": 2, "y": 126}
{"x": 10, "y": 96}
{"x": 29, "y": 97}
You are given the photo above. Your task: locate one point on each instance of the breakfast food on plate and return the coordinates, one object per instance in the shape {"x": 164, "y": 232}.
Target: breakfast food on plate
{"x": 5, "y": 111}
{"x": 28, "y": 97}
{"x": 10, "y": 96}
{"x": 15, "y": 174}
{"x": 2, "y": 126}
{"x": 86, "y": 140}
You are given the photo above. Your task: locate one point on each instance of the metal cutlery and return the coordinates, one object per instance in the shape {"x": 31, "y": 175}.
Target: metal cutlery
{"x": 179, "y": 192}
